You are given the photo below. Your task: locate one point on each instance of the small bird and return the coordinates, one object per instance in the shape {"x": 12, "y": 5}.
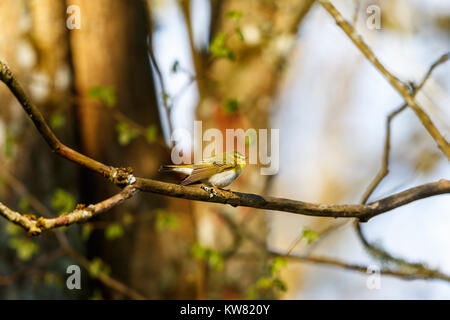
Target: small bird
{"x": 218, "y": 171}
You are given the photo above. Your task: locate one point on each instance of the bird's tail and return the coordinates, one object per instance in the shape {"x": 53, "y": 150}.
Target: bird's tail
{"x": 181, "y": 168}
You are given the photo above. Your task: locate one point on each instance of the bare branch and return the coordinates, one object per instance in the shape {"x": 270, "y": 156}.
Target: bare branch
{"x": 165, "y": 95}
{"x": 387, "y": 144}
{"x": 362, "y": 212}
{"x": 404, "y": 274}
{"x": 401, "y": 88}
{"x": 124, "y": 177}
{"x": 80, "y": 214}
{"x": 417, "y": 271}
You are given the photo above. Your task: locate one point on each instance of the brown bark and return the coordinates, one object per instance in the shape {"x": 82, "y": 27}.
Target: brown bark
{"x": 110, "y": 49}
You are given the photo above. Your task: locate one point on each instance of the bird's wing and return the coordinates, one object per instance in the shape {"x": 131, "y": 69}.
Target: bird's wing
{"x": 226, "y": 157}
{"x": 205, "y": 170}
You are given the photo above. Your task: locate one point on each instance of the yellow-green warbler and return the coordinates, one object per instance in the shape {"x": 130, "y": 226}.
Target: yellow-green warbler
{"x": 218, "y": 171}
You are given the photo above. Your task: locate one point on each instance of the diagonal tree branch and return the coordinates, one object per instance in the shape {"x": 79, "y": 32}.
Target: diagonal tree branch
{"x": 401, "y": 88}
{"x": 64, "y": 248}
{"x": 384, "y": 171}
{"x": 36, "y": 226}
{"x": 125, "y": 179}
{"x": 387, "y": 144}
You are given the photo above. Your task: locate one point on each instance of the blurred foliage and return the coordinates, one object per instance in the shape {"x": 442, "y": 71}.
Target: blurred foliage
{"x": 166, "y": 221}
{"x": 271, "y": 282}
{"x": 97, "y": 267}
{"x": 86, "y": 231}
{"x": 151, "y": 133}
{"x": 114, "y": 231}
{"x": 309, "y": 235}
{"x": 24, "y": 204}
{"x": 105, "y": 94}
{"x": 236, "y": 16}
{"x": 212, "y": 256}
{"x": 25, "y": 248}
{"x": 53, "y": 280}
{"x": 9, "y": 143}
{"x": 126, "y": 133}
{"x": 231, "y": 106}
{"x": 62, "y": 201}
{"x": 57, "y": 120}
{"x": 219, "y": 49}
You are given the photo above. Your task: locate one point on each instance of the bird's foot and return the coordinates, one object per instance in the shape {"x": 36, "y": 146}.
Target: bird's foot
{"x": 212, "y": 191}
{"x": 219, "y": 191}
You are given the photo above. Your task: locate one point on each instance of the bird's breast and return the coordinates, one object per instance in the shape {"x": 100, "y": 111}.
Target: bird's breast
{"x": 223, "y": 179}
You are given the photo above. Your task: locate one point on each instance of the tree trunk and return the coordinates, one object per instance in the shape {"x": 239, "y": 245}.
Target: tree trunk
{"x": 260, "y": 41}
{"x": 111, "y": 49}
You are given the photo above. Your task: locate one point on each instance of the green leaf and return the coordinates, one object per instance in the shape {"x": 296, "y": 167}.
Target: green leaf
{"x": 264, "y": 283}
{"x": 198, "y": 252}
{"x": 234, "y": 14}
{"x": 231, "y": 106}
{"x": 63, "y": 201}
{"x": 310, "y": 236}
{"x": 86, "y": 231}
{"x": 24, "y": 204}
{"x": 240, "y": 33}
{"x": 114, "y": 231}
{"x": 151, "y": 133}
{"x": 277, "y": 264}
{"x": 105, "y": 94}
{"x": 212, "y": 256}
{"x": 215, "y": 260}
{"x": 98, "y": 267}
{"x": 166, "y": 221}
{"x": 57, "y": 120}
{"x": 13, "y": 229}
{"x": 279, "y": 284}
{"x": 9, "y": 144}
{"x": 219, "y": 49}
{"x": 52, "y": 280}
{"x": 25, "y": 248}
{"x": 126, "y": 133}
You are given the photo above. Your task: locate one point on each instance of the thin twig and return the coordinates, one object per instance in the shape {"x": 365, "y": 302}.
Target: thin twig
{"x": 387, "y": 144}
{"x": 154, "y": 62}
{"x": 36, "y": 226}
{"x": 404, "y": 274}
{"x": 401, "y": 88}
{"x": 374, "y": 250}
{"x": 407, "y": 273}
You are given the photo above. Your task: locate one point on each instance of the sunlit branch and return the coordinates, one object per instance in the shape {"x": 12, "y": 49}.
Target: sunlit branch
{"x": 35, "y": 226}
{"x": 124, "y": 177}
